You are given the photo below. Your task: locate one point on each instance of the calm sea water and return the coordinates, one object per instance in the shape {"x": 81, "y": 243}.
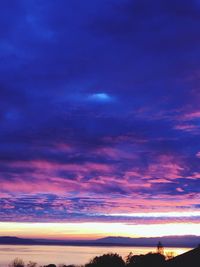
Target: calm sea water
{"x": 68, "y": 254}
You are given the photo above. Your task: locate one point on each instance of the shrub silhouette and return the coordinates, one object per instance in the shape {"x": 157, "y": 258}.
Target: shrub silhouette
{"x": 31, "y": 264}
{"x": 107, "y": 260}
{"x": 150, "y": 259}
{"x": 17, "y": 262}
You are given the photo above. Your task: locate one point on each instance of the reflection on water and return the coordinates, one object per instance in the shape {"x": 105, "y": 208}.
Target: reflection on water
{"x": 68, "y": 254}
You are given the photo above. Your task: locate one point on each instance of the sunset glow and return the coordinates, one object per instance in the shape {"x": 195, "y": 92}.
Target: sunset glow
{"x": 79, "y": 231}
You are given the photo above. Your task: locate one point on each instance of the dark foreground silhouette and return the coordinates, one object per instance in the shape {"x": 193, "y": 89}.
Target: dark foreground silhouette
{"x": 190, "y": 258}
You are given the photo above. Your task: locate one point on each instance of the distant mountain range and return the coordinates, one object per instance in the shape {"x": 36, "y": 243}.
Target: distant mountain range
{"x": 167, "y": 241}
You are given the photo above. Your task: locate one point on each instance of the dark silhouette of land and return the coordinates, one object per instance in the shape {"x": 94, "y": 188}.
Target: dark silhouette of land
{"x": 169, "y": 241}
{"x": 12, "y": 240}
{"x": 190, "y": 258}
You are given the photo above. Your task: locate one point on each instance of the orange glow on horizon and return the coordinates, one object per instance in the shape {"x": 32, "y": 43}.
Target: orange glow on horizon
{"x": 95, "y": 230}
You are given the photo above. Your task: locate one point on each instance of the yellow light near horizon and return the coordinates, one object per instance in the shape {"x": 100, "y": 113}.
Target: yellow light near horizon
{"x": 172, "y": 214}
{"x": 95, "y": 230}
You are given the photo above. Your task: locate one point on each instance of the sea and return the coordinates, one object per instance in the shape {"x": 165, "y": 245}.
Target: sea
{"x": 77, "y": 255}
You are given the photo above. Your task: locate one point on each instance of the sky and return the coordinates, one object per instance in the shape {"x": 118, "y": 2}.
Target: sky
{"x": 100, "y": 117}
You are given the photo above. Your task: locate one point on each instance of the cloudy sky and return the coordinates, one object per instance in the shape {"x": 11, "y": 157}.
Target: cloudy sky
{"x": 99, "y": 111}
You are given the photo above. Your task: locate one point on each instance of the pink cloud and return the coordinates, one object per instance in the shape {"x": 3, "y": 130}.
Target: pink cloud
{"x": 187, "y": 128}
{"x": 8, "y": 206}
{"x": 41, "y": 165}
{"x": 192, "y": 115}
{"x": 198, "y": 154}
{"x": 163, "y": 169}
{"x": 115, "y": 153}
{"x": 194, "y": 176}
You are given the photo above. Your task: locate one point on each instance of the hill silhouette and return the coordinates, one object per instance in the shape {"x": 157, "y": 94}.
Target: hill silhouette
{"x": 16, "y": 240}
{"x": 190, "y": 258}
{"x": 168, "y": 241}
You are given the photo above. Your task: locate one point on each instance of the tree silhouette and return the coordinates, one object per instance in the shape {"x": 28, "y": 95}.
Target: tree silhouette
{"x": 106, "y": 260}
{"x": 129, "y": 258}
{"x": 148, "y": 260}
{"x": 160, "y": 248}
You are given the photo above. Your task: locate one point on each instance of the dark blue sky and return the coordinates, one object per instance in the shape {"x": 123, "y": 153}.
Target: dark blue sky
{"x": 99, "y": 109}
